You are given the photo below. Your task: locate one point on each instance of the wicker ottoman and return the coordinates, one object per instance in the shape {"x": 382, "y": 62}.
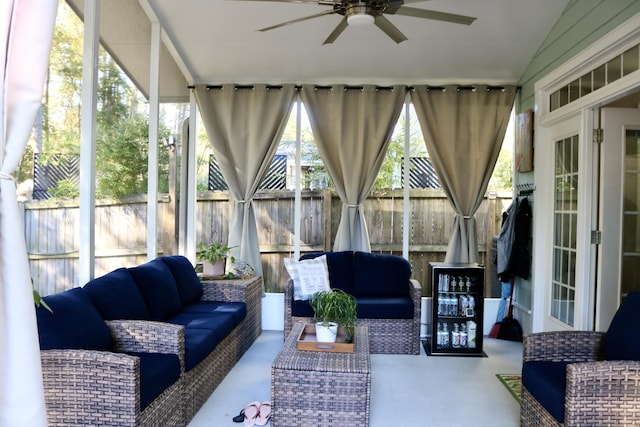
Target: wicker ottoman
{"x": 310, "y": 388}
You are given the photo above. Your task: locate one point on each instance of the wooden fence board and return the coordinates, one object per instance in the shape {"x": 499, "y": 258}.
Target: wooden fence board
{"x": 52, "y": 231}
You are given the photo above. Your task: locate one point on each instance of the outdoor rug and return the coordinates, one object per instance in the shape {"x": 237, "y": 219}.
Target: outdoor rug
{"x": 513, "y": 383}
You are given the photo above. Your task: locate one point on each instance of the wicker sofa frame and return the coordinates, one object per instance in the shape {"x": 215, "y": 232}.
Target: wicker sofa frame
{"x": 85, "y": 387}
{"x": 598, "y": 392}
{"x": 388, "y": 336}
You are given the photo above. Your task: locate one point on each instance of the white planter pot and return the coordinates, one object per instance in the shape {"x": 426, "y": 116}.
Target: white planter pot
{"x": 216, "y": 269}
{"x": 326, "y": 333}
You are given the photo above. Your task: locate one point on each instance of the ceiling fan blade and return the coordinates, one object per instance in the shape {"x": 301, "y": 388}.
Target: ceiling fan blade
{"x": 435, "y": 15}
{"x": 293, "y": 21}
{"x": 336, "y": 31}
{"x": 391, "y": 30}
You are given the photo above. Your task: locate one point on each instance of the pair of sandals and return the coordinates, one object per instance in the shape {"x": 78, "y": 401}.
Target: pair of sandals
{"x": 254, "y": 414}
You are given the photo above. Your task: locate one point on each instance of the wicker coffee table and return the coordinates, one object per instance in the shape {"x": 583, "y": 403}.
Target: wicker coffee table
{"x": 311, "y": 388}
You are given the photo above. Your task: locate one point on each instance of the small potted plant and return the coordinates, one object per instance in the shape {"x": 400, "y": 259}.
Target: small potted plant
{"x": 214, "y": 258}
{"x": 332, "y": 309}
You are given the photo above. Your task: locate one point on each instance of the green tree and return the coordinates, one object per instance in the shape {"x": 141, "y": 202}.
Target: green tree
{"x": 123, "y": 152}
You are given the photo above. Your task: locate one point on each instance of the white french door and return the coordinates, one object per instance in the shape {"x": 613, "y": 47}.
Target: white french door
{"x": 619, "y": 212}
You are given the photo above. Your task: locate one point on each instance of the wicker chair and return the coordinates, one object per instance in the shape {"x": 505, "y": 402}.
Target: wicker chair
{"x": 387, "y": 336}
{"x": 598, "y": 392}
{"x": 89, "y": 387}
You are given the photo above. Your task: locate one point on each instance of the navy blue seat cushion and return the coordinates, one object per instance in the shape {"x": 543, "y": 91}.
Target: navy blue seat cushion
{"x": 547, "y": 381}
{"x": 157, "y": 373}
{"x": 301, "y": 308}
{"x": 237, "y": 309}
{"x": 340, "y": 265}
{"x": 219, "y": 323}
{"x": 116, "y": 296}
{"x": 384, "y": 308}
{"x": 380, "y": 275}
{"x": 189, "y": 285}
{"x": 198, "y": 344}
{"x": 158, "y": 288}
{"x": 74, "y": 324}
{"x": 618, "y": 342}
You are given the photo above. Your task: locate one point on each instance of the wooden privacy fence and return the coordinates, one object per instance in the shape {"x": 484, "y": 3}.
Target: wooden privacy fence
{"x": 52, "y": 231}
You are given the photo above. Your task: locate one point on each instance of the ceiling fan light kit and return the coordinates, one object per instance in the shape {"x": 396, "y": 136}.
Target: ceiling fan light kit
{"x": 367, "y": 12}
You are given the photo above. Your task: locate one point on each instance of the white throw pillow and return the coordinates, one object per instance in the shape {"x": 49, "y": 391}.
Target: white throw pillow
{"x": 309, "y": 276}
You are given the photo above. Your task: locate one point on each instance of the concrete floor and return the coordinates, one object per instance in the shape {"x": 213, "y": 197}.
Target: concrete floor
{"x": 405, "y": 390}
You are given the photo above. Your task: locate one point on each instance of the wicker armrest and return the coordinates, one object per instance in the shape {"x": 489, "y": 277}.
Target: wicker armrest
{"x": 148, "y": 337}
{"x": 603, "y": 393}
{"x": 416, "y": 292}
{"x": 229, "y": 290}
{"x": 78, "y": 382}
{"x": 558, "y": 346}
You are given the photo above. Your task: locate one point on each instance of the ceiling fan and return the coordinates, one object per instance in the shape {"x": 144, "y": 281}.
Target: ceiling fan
{"x": 366, "y": 12}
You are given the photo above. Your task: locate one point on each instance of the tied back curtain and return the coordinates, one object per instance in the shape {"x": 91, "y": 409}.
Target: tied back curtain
{"x": 463, "y": 129}
{"x": 26, "y": 31}
{"x": 352, "y": 128}
{"x": 244, "y": 124}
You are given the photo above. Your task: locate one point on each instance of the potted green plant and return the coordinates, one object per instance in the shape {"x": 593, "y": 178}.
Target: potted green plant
{"x": 332, "y": 309}
{"x": 214, "y": 258}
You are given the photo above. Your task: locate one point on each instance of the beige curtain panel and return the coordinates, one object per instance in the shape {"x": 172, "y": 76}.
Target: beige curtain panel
{"x": 26, "y": 31}
{"x": 463, "y": 128}
{"x": 352, "y": 128}
{"x": 244, "y": 125}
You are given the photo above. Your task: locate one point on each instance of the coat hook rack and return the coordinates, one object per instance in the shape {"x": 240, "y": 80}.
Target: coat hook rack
{"x": 525, "y": 189}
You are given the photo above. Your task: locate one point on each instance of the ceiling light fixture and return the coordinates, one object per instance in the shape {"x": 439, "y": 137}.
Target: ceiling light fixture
{"x": 360, "y": 20}
{"x": 360, "y": 14}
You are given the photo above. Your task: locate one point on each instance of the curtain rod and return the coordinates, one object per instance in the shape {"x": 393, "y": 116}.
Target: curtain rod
{"x": 408, "y": 88}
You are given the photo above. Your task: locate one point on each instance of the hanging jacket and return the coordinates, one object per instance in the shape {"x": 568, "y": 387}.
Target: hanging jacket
{"x": 505, "y": 241}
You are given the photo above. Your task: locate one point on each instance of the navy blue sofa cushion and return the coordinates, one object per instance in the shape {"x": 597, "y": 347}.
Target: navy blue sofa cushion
{"x": 74, "y": 324}
{"x": 301, "y": 308}
{"x": 158, "y": 288}
{"x": 237, "y": 309}
{"x": 619, "y": 343}
{"x": 198, "y": 344}
{"x": 384, "y": 308}
{"x": 340, "y": 265}
{"x": 220, "y": 324}
{"x": 189, "y": 285}
{"x": 116, "y": 296}
{"x": 380, "y": 275}
{"x": 547, "y": 381}
{"x": 157, "y": 373}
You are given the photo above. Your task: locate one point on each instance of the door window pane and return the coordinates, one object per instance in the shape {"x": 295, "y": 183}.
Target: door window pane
{"x": 630, "y": 267}
{"x": 565, "y": 217}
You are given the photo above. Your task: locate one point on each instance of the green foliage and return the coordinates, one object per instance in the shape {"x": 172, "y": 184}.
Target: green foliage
{"x": 213, "y": 252}
{"x": 65, "y": 189}
{"x": 335, "y": 306}
{"x": 122, "y": 153}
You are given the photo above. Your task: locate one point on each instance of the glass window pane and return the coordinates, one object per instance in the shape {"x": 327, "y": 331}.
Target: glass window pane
{"x": 585, "y": 84}
{"x": 599, "y": 75}
{"x": 614, "y": 69}
{"x": 630, "y": 60}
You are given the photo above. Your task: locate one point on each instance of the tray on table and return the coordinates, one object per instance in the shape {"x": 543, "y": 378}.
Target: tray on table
{"x": 307, "y": 341}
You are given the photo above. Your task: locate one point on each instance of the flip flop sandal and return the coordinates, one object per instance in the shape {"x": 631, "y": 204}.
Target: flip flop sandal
{"x": 251, "y": 412}
{"x": 264, "y": 414}
{"x": 240, "y": 417}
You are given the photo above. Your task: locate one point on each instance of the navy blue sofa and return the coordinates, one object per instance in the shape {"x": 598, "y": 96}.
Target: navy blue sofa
{"x": 584, "y": 378}
{"x": 388, "y": 299}
{"x": 182, "y": 336}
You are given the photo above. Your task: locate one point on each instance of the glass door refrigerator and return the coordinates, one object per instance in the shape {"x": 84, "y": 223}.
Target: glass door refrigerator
{"x": 457, "y": 311}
